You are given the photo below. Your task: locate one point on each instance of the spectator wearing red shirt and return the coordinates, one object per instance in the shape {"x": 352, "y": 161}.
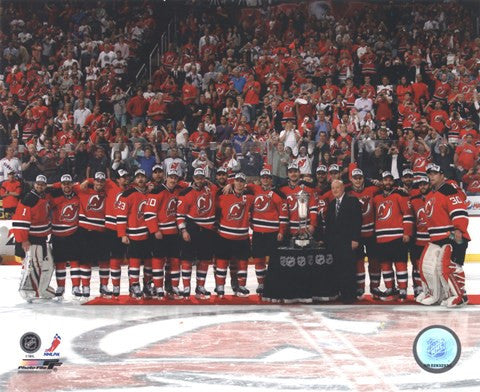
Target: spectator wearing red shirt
{"x": 200, "y": 139}
{"x": 466, "y": 154}
{"x": 471, "y": 180}
{"x": 157, "y": 110}
{"x": 137, "y": 108}
{"x": 189, "y": 92}
{"x": 10, "y": 191}
{"x": 438, "y": 117}
{"x": 251, "y": 92}
{"x": 420, "y": 90}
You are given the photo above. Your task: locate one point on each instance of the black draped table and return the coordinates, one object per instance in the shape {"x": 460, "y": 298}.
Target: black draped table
{"x": 300, "y": 275}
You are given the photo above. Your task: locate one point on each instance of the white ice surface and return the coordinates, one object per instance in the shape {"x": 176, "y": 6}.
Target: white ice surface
{"x": 232, "y": 348}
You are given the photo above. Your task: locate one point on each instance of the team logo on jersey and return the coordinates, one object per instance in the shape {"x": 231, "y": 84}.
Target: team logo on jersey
{"x": 292, "y": 203}
{"x": 384, "y": 210}
{"x": 117, "y": 199}
{"x": 438, "y": 118}
{"x": 95, "y": 203}
{"x": 419, "y": 162}
{"x": 204, "y": 204}
{"x": 429, "y": 207}
{"x": 141, "y": 209}
{"x": 69, "y": 213}
{"x": 261, "y": 203}
{"x": 365, "y": 203}
{"x": 421, "y": 217}
{"x": 172, "y": 207}
{"x": 236, "y": 211}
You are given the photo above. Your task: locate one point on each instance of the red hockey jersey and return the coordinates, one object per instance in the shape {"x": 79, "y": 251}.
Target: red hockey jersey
{"x": 65, "y": 210}
{"x": 131, "y": 215}
{"x": 292, "y": 203}
{"x": 197, "y": 206}
{"x": 31, "y": 218}
{"x": 92, "y": 207}
{"x": 234, "y": 213}
{"x": 393, "y": 216}
{"x": 113, "y": 192}
{"x": 445, "y": 211}
{"x": 270, "y": 211}
{"x": 161, "y": 210}
{"x": 365, "y": 197}
{"x": 421, "y": 228}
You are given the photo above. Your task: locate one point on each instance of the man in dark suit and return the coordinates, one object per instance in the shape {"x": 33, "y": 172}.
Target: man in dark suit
{"x": 343, "y": 227}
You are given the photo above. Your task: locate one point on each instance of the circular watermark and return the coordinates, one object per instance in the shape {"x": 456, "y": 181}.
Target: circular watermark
{"x": 437, "y": 349}
{"x": 30, "y": 342}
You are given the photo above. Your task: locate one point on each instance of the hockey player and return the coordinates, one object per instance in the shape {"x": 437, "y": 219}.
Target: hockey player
{"x": 132, "y": 229}
{"x": 91, "y": 231}
{"x": 234, "y": 213}
{"x": 365, "y": 194}
{"x": 65, "y": 206}
{"x": 291, "y": 191}
{"x": 269, "y": 223}
{"x": 393, "y": 229}
{"x": 31, "y": 226}
{"x": 157, "y": 177}
{"x": 447, "y": 221}
{"x": 161, "y": 219}
{"x": 221, "y": 177}
{"x": 421, "y": 237}
{"x": 117, "y": 249}
{"x": 196, "y": 222}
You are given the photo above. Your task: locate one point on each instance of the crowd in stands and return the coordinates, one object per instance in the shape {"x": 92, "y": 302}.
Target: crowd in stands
{"x": 388, "y": 87}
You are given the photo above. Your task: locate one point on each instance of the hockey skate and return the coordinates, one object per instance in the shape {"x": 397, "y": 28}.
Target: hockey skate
{"x": 360, "y": 294}
{"x": 260, "y": 289}
{"x": 86, "y": 291}
{"x": 149, "y": 291}
{"x": 242, "y": 291}
{"x": 136, "y": 291}
{"x": 402, "y": 295}
{"x": 455, "y": 302}
{"x": 186, "y": 293}
{"x": 160, "y": 293}
{"x": 105, "y": 292}
{"x": 220, "y": 290}
{"x": 116, "y": 292}
{"x": 174, "y": 293}
{"x": 417, "y": 290}
{"x": 76, "y": 292}
{"x": 60, "y": 292}
{"x": 389, "y": 295}
{"x": 202, "y": 293}
{"x": 376, "y": 293}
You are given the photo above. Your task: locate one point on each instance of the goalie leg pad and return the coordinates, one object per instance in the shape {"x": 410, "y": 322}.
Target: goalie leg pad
{"x": 454, "y": 278}
{"x": 43, "y": 257}
{"x": 430, "y": 273}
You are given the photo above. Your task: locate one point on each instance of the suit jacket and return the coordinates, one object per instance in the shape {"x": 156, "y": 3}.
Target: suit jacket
{"x": 341, "y": 230}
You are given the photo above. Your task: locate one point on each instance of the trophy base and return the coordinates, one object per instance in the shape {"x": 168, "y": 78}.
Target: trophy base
{"x": 301, "y": 243}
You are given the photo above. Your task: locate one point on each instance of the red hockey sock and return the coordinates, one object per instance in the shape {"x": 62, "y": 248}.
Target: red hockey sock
{"x": 147, "y": 271}
{"x": 387, "y": 273}
{"x": 60, "y": 273}
{"x": 260, "y": 269}
{"x": 158, "y": 264}
{"x": 402, "y": 274}
{"x": 374, "y": 272}
{"x": 85, "y": 274}
{"x": 75, "y": 273}
{"x": 361, "y": 274}
{"x": 186, "y": 273}
{"x": 175, "y": 272}
{"x": 417, "y": 280}
{"x": 242, "y": 272}
{"x": 133, "y": 270}
{"x": 233, "y": 271}
{"x": 104, "y": 271}
{"x": 221, "y": 266}
{"x": 116, "y": 271}
{"x": 202, "y": 270}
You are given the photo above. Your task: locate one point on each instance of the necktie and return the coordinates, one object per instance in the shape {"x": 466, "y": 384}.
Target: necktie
{"x": 337, "y": 208}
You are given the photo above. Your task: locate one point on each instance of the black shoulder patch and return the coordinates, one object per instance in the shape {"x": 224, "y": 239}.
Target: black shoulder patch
{"x": 280, "y": 193}
{"x": 249, "y": 192}
{"x": 128, "y": 192}
{"x": 55, "y": 192}
{"x": 30, "y": 199}
{"x": 400, "y": 192}
{"x": 419, "y": 196}
{"x": 447, "y": 190}
{"x": 185, "y": 191}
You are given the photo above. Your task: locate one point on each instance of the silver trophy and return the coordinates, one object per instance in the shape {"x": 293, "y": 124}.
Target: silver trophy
{"x": 303, "y": 237}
